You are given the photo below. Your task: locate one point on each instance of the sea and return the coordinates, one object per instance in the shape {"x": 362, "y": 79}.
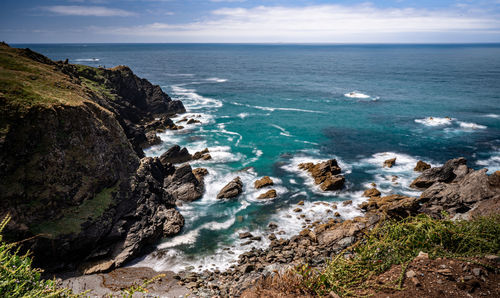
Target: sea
{"x": 266, "y": 108}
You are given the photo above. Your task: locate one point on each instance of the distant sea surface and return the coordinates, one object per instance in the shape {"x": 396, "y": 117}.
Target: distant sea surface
{"x": 266, "y": 108}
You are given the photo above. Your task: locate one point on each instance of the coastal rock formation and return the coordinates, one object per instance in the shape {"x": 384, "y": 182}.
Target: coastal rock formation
{"x": 175, "y": 154}
{"x": 263, "y": 182}
{"x": 390, "y": 162}
{"x": 325, "y": 174}
{"x": 232, "y": 189}
{"x": 203, "y": 154}
{"x": 372, "y": 192}
{"x": 421, "y": 166}
{"x": 270, "y": 194}
{"x": 71, "y": 172}
{"x": 183, "y": 185}
{"x": 452, "y": 169}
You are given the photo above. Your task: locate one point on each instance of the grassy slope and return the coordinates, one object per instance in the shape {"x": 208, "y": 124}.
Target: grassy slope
{"x": 26, "y": 84}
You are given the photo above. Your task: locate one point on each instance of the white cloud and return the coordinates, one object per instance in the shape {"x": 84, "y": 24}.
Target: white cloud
{"x": 319, "y": 23}
{"x": 96, "y": 11}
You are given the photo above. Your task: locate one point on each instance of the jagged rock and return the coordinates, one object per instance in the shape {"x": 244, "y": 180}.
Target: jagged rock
{"x": 452, "y": 169}
{"x": 231, "y": 190}
{"x": 175, "y": 155}
{"x": 421, "y": 166}
{"x": 372, "y": 192}
{"x": 390, "y": 162}
{"x": 192, "y": 121}
{"x": 263, "y": 182}
{"x": 326, "y": 174}
{"x": 200, "y": 174}
{"x": 202, "y": 155}
{"x": 393, "y": 205}
{"x": 270, "y": 194}
{"x": 151, "y": 139}
{"x": 476, "y": 190}
{"x": 245, "y": 235}
{"x": 183, "y": 184}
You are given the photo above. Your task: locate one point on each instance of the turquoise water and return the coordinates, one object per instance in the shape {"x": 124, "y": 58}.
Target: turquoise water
{"x": 266, "y": 108}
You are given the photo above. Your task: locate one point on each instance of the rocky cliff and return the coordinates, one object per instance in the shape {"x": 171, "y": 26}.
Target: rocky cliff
{"x": 72, "y": 171}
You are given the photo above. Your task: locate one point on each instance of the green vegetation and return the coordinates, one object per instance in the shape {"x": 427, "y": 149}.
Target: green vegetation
{"x": 74, "y": 217}
{"x": 397, "y": 243}
{"x": 18, "y": 278}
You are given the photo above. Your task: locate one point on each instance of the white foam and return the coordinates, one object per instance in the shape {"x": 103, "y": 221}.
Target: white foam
{"x": 180, "y": 74}
{"x": 470, "y": 125}
{"x": 243, "y": 115}
{"x": 492, "y": 163}
{"x": 283, "y": 131}
{"x": 204, "y": 118}
{"x": 492, "y": 116}
{"x": 355, "y": 94}
{"x": 272, "y": 109}
{"x": 87, "y": 60}
{"x": 194, "y": 101}
{"x": 216, "y": 80}
{"x": 435, "y": 121}
{"x": 187, "y": 238}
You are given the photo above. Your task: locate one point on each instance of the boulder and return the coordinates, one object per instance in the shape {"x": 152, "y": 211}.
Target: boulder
{"x": 263, "y": 182}
{"x": 452, "y": 169}
{"x": 389, "y": 162}
{"x": 397, "y": 206}
{"x": 231, "y": 190}
{"x": 326, "y": 174}
{"x": 372, "y": 192}
{"x": 270, "y": 194}
{"x": 476, "y": 191}
{"x": 200, "y": 174}
{"x": 203, "y": 154}
{"x": 151, "y": 139}
{"x": 175, "y": 155}
{"x": 421, "y": 166}
{"x": 183, "y": 184}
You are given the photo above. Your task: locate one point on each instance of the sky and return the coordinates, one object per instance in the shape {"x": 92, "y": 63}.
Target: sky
{"x": 249, "y": 21}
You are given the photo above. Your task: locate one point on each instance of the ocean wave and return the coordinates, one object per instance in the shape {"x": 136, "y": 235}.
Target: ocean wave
{"x": 492, "y": 116}
{"x": 470, "y": 125}
{"x": 87, "y": 60}
{"x": 272, "y": 109}
{"x": 179, "y": 74}
{"x": 187, "y": 238}
{"x": 194, "y": 101}
{"x": 243, "y": 115}
{"x": 435, "y": 121}
{"x": 356, "y": 94}
{"x": 492, "y": 163}
{"x": 283, "y": 131}
{"x": 216, "y": 80}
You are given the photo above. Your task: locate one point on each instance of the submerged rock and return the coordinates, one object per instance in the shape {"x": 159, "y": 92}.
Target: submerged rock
{"x": 263, "y": 182}
{"x": 232, "y": 189}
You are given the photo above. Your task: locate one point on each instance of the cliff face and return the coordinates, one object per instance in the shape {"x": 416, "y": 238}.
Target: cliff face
{"x": 71, "y": 171}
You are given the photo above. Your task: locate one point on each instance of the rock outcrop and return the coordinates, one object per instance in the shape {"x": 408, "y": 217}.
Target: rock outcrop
{"x": 326, "y": 174}
{"x": 183, "y": 185}
{"x": 270, "y": 194}
{"x": 447, "y": 173}
{"x": 175, "y": 154}
{"x": 232, "y": 189}
{"x": 71, "y": 173}
{"x": 389, "y": 163}
{"x": 263, "y": 182}
{"x": 421, "y": 166}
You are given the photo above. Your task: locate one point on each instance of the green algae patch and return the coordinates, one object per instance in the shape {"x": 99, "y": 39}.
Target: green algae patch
{"x": 74, "y": 217}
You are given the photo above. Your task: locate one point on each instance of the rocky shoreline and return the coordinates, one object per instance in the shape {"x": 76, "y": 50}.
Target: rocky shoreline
{"x": 78, "y": 187}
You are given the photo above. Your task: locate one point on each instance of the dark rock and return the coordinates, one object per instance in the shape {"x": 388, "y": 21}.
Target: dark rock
{"x": 245, "y": 235}
{"x": 175, "y": 155}
{"x": 265, "y": 181}
{"x": 183, "y": 184}
{"x": 447, "y": 173}
{"x": 421, "y": 166}
{"x": 325, "y": 174}
{"x": 151, "y": 139}
{"x": 231, "y": 190}
{"x": 202, "y": 155}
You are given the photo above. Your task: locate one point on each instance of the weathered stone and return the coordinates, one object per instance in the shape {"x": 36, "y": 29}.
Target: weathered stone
{"x": 263, "y": 182}
{"x": 445, "y": 174}
{"x": 175, "y": 155}
{"x": 270, "y": 194}
{"x": 390, "y": 162}
{"x": 183, "y": 184}
{"x": 231, "y": 190}
{"x": 421, "y": 166}
{"x": 372, "y": 192}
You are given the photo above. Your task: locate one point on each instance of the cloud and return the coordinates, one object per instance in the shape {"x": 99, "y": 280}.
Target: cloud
{"x": 317, "y": 23}
{"x": 96, "y": 11}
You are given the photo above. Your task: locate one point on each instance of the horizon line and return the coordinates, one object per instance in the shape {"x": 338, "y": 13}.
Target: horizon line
{"x": 256, "y": 43}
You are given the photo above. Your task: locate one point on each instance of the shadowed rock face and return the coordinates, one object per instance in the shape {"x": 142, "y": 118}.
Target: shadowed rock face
{"x": 452, "y": 169}
{"x": 231, "y": 190}
{"x": 325, "y": 174}
{"x": 70, "y": 162}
